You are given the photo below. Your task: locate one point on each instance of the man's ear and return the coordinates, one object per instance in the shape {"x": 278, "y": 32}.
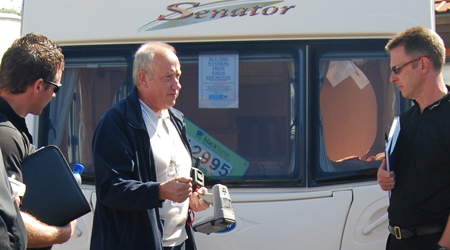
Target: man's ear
{"x": 143, "y": 79}
{"x": 425, "y": 64}
{"x": 38, "y": 85}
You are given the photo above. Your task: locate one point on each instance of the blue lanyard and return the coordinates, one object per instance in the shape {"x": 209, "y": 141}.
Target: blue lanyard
{"x": 172, "y": 160}
{"x": 148, "y": 117}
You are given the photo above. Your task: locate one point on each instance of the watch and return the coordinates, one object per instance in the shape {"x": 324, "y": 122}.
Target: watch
{"x": 442, "y": 248}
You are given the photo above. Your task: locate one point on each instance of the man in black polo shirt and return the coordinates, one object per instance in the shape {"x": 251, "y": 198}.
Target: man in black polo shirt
{"x": 30, "y": 73}
{"x": 420, "y": 183}
{"x": 12, "y": 230}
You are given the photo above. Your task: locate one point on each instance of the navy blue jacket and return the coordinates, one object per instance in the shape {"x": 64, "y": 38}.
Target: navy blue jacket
{"x": 127, "y": 211}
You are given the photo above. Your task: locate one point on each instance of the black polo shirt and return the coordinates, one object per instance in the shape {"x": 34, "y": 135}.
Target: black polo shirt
{"x": 421, "y": 194}
{"x": 15, "y": 140}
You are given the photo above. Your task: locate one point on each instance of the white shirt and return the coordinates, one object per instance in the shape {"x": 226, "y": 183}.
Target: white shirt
{"x": 171, "y": 158}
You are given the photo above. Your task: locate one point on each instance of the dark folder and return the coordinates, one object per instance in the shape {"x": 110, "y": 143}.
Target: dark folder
{"x": 52, "y": 196}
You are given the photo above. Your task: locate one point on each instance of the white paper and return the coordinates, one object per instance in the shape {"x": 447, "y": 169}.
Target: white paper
{"x": 218, "y": 82}
{"x": 339, "y": 70}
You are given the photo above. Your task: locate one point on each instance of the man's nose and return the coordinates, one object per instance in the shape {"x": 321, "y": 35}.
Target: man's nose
{"x": 393, "y": 77}
{"x": 176, "y": 84}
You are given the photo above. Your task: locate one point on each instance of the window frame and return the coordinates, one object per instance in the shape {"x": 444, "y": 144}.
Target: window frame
{"x": 343, "y": 50}
{"x": 306, "y": 55}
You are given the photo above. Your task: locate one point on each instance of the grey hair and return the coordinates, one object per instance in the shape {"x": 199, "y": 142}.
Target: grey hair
{"x": 143, "y": 59}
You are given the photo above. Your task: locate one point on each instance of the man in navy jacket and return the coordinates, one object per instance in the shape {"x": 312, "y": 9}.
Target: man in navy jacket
{"x": 140, "y": 203}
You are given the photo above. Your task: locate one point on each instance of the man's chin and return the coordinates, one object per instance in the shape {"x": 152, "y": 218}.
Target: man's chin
{"x": 171, "y": 104}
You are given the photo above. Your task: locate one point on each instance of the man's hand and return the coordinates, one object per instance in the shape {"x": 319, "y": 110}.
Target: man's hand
{"x": 177, "y": 189}
{"x": 197, "y": 204}
{"x": 386, "y": 179}
{"x": 66, "y": 232}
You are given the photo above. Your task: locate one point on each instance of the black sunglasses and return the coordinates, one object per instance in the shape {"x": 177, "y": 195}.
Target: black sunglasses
{"x": 57, "y": 85}
{"x": 397, "y": 68}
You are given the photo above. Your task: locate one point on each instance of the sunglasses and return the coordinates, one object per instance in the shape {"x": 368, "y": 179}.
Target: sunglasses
{"x": 57, "y": 85}
{"x": 397, "y": 68}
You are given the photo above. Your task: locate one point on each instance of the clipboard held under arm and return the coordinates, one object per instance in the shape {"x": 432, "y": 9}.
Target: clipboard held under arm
{"x": 53, "y": 196}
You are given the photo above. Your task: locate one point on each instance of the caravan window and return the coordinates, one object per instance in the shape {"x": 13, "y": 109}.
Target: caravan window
{"x": 257, "y": 114}
{"x": 252, "y": 137}
{"x": 357, "y": 106}
{"x": 90, "y": 87}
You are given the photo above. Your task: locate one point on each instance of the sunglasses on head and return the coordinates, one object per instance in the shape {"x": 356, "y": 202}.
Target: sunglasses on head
{"x": 57, "y": 85}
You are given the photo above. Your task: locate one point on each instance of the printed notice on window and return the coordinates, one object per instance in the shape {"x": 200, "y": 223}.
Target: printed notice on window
{"x": 218, "y": 81}
{"x": 339, "y": 70}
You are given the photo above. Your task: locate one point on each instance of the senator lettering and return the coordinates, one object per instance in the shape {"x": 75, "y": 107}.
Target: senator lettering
{"x": 184, "y": 12}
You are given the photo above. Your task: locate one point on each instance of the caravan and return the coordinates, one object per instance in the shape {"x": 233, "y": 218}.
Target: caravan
{"x": 10, "y": 30}
{"x": 287, "y": 102}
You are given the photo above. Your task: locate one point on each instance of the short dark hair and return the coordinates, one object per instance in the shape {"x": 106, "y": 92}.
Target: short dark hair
{"x": 29, "y": 58}
{"x": 420, "y": 41}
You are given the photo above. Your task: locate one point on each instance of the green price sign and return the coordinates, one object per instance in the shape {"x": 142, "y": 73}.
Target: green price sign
{"x": 217, "y": 159}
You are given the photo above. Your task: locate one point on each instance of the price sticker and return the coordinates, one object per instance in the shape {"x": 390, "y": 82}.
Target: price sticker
{"x": 211, "y": 163}
{"x": 218, "y": 161}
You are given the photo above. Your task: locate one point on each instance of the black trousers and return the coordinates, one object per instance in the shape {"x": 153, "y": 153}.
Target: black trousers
{"x": 423, "y": 242}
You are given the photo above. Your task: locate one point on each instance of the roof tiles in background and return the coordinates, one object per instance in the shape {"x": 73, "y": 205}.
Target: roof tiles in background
{"x": 442, "y": 6}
